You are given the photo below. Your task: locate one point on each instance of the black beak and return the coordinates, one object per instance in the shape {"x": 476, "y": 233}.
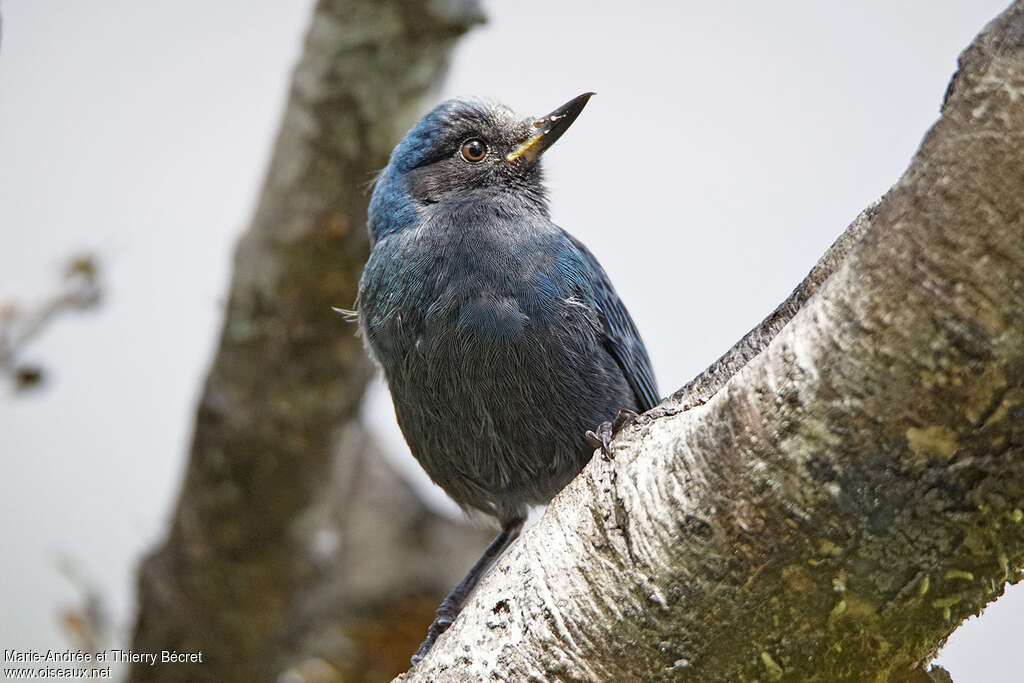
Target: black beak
{"x": 548, "y": 129}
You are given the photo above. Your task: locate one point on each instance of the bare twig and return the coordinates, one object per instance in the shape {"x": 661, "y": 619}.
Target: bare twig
{"x": 80, "y": 289}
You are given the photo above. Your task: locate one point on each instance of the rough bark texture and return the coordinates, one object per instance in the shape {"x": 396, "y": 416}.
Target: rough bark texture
{"x": 849, "y": 496}
{"x": 294, "y": 553}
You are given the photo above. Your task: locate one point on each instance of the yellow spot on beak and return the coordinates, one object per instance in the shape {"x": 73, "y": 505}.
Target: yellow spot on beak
{"x": 525, "y": 149}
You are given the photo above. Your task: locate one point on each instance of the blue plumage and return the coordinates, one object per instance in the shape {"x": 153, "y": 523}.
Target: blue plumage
{"x": 620, "y": 334}
{"x": 501, "y": 337}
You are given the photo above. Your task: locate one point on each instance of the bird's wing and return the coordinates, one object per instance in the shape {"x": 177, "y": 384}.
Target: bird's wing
{"x": 620, "y": 335}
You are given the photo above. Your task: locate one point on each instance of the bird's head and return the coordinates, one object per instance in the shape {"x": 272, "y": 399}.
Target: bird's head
{"x": 467, "y": 151}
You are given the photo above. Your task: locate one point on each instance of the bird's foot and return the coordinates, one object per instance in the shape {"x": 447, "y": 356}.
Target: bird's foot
{"x": 606, "y": 431}
{"x": 601, "y": 438}
{"x": 438, "y": 627}
{"x": 443, "y": 618}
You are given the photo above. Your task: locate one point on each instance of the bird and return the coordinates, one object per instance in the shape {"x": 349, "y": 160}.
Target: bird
{"x": 500, "y": 336}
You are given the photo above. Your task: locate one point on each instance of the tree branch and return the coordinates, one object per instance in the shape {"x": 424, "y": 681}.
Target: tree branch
{"x": 854, "y": 490}
{"x": 79, "y": 290}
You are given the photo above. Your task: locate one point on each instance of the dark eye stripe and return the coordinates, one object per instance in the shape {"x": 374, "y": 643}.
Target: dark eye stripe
{"x": 474, "y": 150}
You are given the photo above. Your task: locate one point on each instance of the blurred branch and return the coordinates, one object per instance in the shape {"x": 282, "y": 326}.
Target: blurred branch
{"x": 87, "y": 623}
{"x": 294, "y": 552}
{"x": 838, "y": 493}
{"x": 79, "y": 290}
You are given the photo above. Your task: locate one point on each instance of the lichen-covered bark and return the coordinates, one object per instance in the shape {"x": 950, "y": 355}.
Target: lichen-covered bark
{"x": 848, "y": 497}
{"x": 292, "y": 549}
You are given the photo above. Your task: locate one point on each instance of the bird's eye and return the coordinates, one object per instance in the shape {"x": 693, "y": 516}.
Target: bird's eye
{"x": 474, "y": 150}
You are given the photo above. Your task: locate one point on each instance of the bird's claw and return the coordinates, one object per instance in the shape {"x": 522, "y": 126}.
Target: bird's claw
{"x": 606, "y": 431}
{"x": 601, "y": 438}
{"x": 622, "y": 419}
{"x": 443, "y": 618}
{"x": 437, "y": 627}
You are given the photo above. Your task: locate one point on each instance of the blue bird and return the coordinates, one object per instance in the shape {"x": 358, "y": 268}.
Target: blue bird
{"x": 500, "y": 336}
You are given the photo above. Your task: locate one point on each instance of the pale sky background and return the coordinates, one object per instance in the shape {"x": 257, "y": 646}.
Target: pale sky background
{"x": 729, "y": 144}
